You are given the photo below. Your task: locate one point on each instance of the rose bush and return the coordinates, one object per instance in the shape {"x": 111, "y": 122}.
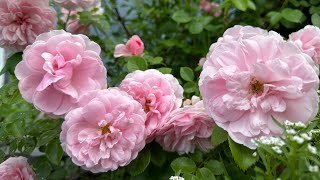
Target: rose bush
{"x": 201, "y": 89}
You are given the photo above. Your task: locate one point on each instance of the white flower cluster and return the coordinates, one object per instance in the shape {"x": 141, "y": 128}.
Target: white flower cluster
{"x": 176, "y": 178}
{"x": 270, "y": 140}
{"x": 275, "y": 142}
{"x": 314, "y": 168}
{"x": 290, "y": 124}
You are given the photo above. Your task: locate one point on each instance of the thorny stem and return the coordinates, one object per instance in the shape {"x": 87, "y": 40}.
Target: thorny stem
{"x": 122, "y": 22}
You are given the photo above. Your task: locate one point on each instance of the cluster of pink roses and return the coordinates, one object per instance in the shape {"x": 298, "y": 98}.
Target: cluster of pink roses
{"x": 250, "y": 75}
{"x": 62, "y": 75}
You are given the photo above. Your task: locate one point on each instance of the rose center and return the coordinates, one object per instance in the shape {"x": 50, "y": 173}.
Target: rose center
{"x": 105, "y": 129}
{"x": 147, "y": 105}
{"x": 256, "y": 87}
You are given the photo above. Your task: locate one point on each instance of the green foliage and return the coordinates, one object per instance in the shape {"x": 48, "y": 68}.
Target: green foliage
{"x": 12, "y": 61}
{"x": 218, "y": 136}
{"x": 242, "y": 155}
{"x": 186, "y": 73}
{"x": 183, "y": 165}
{"x": 176, "y": 34}
{"x": 136, "y": 63}
{"x": 137, "y": 166}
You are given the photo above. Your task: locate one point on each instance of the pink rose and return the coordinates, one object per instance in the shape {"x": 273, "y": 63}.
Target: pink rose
{"x": 79, "y": 4}
{"x": 74, "y": 25}
{"x": 246, "y": 80}
{"x": 187, "y": 128}
{"x": 23, "y": 20}
{"x": 134, "y": 47}
{"x": 308, "y": 40}
{"x": 209, "y": 7}
{"x": 105, "y": 132}
{"x": 16, "y": 168}
{"x": 158, "y": 94}
{"x": 57, "y": 69}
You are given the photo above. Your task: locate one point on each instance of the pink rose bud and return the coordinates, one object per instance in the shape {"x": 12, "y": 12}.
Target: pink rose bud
{"x": 16, "y": 168}
{"x": 134, "y": 47}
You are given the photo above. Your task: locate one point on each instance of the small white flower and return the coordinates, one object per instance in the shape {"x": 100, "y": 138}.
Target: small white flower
{"x": 254, "y": 154}
{"x": 291, "y": 131}
{"x": 306, "y": 136}
{"x": 277, "y": 149}
{"x": 269, "y": 140}
{"x": 298, "y": 139}
{"x": 314, "y": 168}
{"x": 288, "y": 123}
{"x": 176, "y": 178}
{"x": 300, "y": 125}
{"x": 318, "y": 91}
{"x": 312, "y": 149}
{"x": 315, "y": 131}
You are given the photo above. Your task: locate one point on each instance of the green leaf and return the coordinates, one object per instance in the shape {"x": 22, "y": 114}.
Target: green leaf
{"x": 158, "y": 156}
{"x": 188, "y": 176}
{"x": 195, "y": 27}
{"x": 11, "y": 63}
{"x": 240, "y": 4}
{"x": 138, "y": 165}
{"x": 47, "y": 136}
{"x": 204, "y": 20}
{"x": 251, "y": 5}
{"x": 181, "y": 17}
{"x": 215, "y": 166}
{"x": 183, "y": 165}
{"x": 102, "y": 23}
{"x": 315, "y": 19}
{"x": 242, "y": 155}
{"x": 275, "y": 17}
{"x": 186, "y": 73}
{"x": 197, "y": 156}
{"x": 15, "y": 129}
{"x": 156, "y": 60}
{"x": 205, "y": 174}
{"x": 165, "y": 70}
{"x": 190, "y": 87}
{"x": 292, "y": 15}
{"x": 218, "y": 135}
{"x": 54, "y": 151}
{"x": 42, "y": 167}
{"x": 9, "y": 93}
{"x": 136, "y": 63}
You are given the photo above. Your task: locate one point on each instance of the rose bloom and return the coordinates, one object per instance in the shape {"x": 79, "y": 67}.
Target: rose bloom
{"x": 23, "y": 20}
{"x": 248, "y": 78}
{"x": 16, "y": 168}
{"x": 187, "y": 128}
{"x": 308, "y": 40}
{"x": 79, "y": 4}
{"x": 57, "y": 69}
{"x": 105, "y": 132}
{"x": 74, "y": 25}
{"x": 134, "y": 47}
{"x": 158, "y": 94}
